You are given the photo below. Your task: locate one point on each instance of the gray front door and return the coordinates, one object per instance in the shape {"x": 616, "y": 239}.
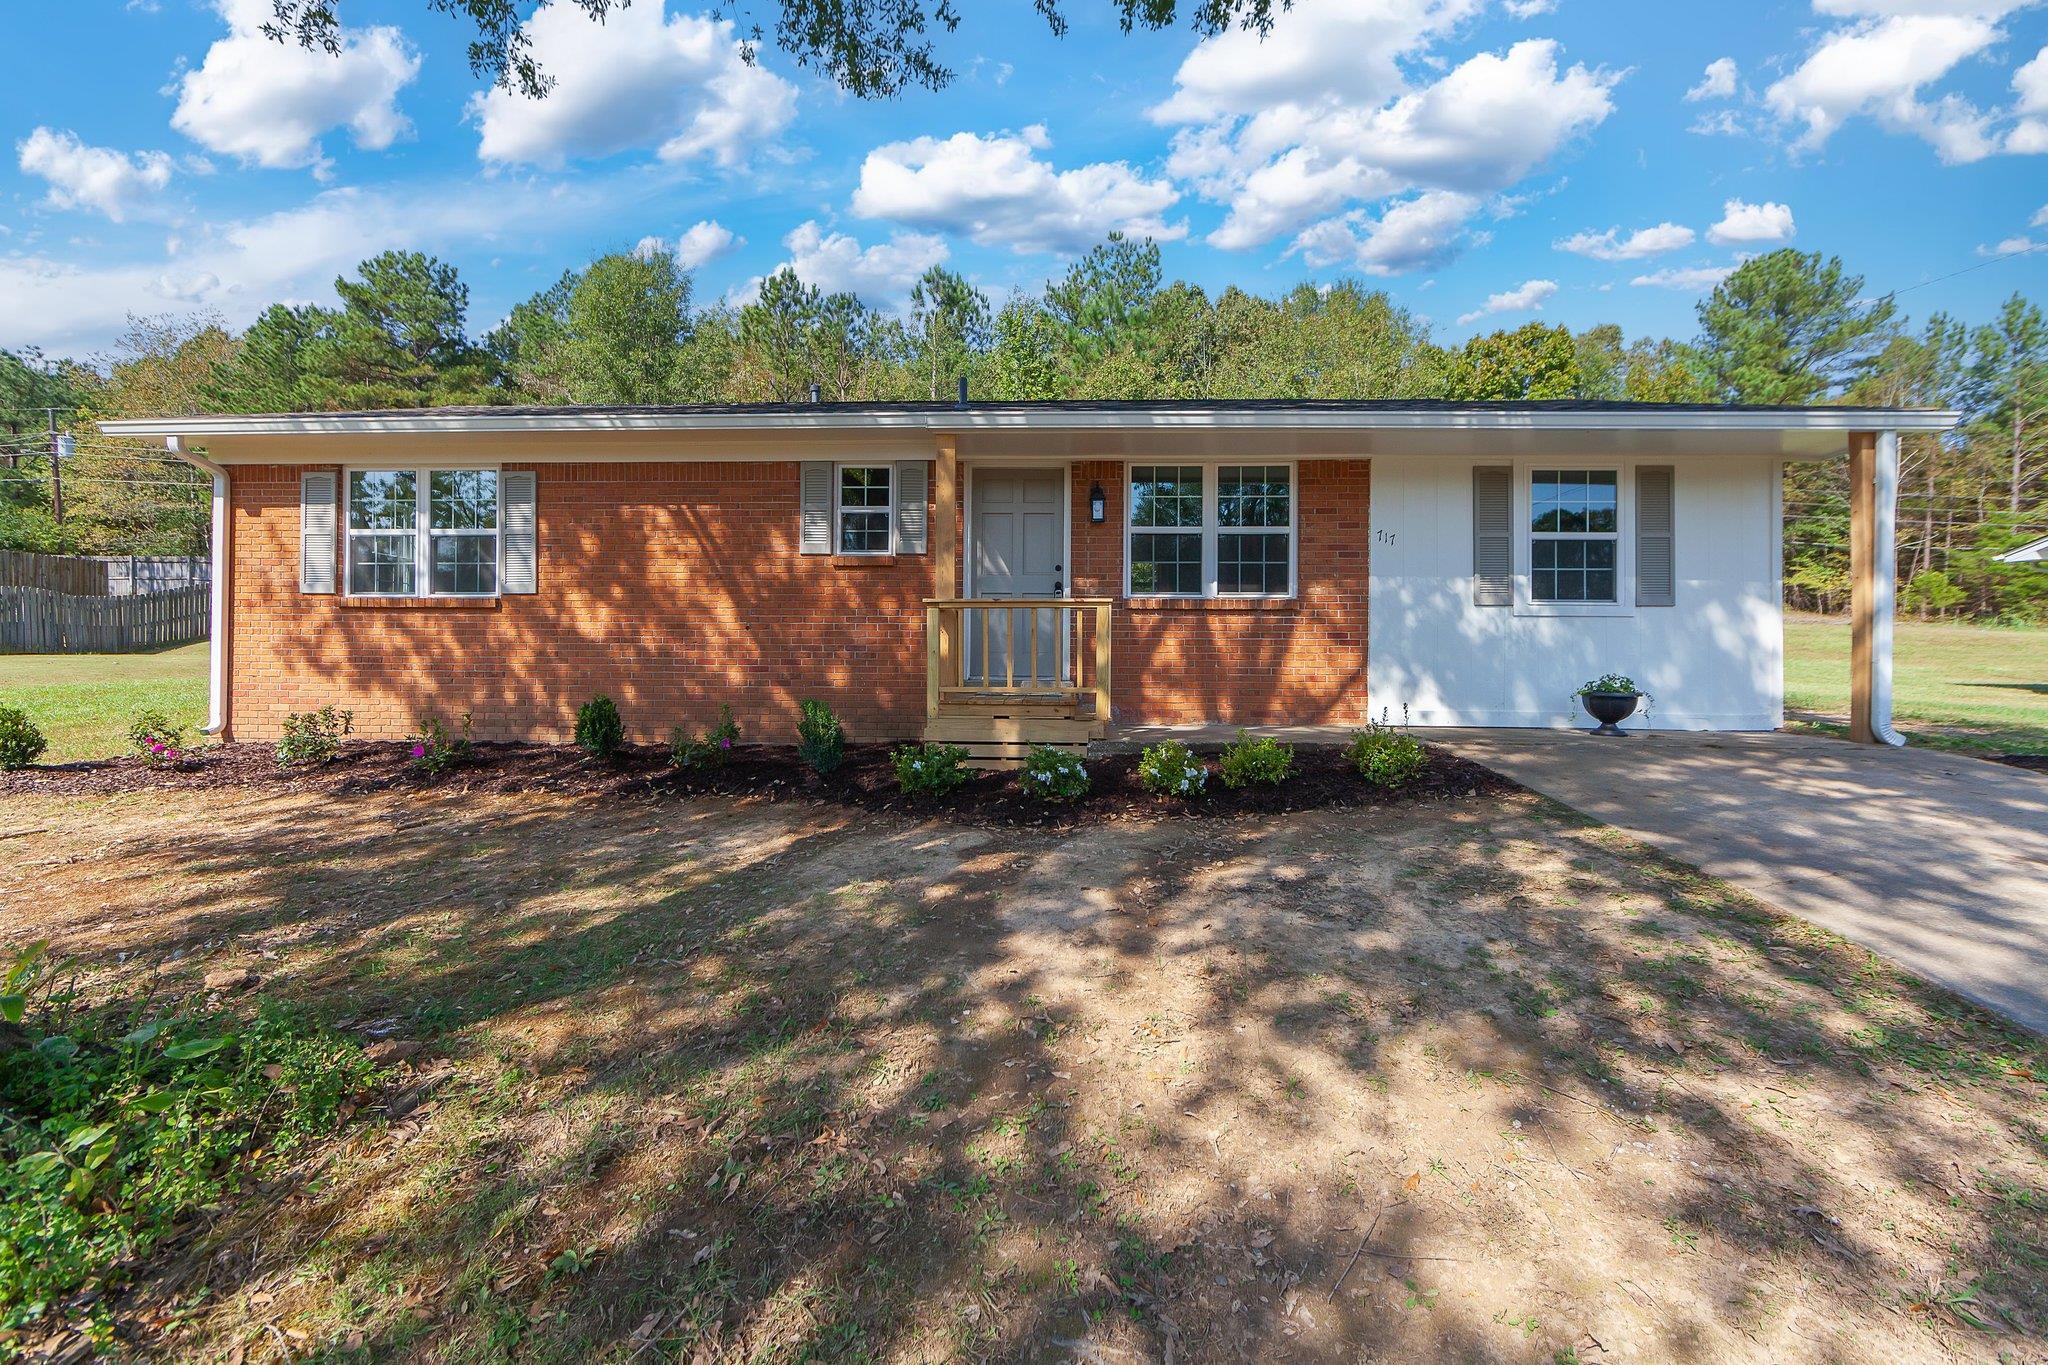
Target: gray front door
{"x": 1020, "y": 550}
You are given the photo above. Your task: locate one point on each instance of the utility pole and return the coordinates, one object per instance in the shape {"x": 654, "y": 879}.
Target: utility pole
{"x": 56, "y": 473}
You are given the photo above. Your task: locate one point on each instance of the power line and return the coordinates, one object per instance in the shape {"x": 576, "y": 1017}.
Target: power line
{"x": 2023, "y": 251}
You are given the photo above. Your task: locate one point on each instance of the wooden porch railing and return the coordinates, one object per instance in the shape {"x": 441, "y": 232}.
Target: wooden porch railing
{"x": 1012, "y": 647}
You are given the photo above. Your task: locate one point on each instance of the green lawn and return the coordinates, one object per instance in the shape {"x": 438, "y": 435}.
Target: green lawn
{"x": 1954, "y": 686}
{"x": 83, "y": 701}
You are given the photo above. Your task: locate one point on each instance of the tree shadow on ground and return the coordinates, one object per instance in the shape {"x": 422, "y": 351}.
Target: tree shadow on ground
{"x": 1477, "y": 1081}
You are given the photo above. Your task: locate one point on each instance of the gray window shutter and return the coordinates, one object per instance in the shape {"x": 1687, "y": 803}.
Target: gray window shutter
{"x": 1656, "y": 563}
{"x": 519, "y": 520}
{"x": 316, "y": 531}
{"x": 1493, "y": 559}
{"x": 912, "y": 476}
{"x": 816, "y": 537}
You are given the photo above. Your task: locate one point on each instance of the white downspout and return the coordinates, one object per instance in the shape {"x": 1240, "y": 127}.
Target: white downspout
{"x": 1884, "y": 588}
{"x": 216, "y": 637}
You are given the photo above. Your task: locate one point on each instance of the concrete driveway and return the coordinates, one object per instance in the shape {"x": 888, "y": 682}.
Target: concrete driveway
{"x": 1935, "y": 861}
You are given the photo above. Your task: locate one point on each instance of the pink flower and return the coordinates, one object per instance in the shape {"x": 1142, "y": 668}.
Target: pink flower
{"x": 725, "y": 744}
{"x": 419, "y": 751}
{"x": 156, "y": 746}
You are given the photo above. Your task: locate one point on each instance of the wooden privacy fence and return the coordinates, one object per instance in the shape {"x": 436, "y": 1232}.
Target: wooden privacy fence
{"x": 39, "y": 621}
{"x": 73, "y": 574}
{"x": 102, "y": 575}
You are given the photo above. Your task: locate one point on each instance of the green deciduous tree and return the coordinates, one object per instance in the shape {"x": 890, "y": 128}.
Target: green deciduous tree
{"x": 869, "y": 48}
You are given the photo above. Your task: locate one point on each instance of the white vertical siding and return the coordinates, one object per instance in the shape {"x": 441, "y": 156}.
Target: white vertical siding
{"x": 1714, "y": 661}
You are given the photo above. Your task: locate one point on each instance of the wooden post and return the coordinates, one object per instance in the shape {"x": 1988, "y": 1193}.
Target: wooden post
{"x": 934, "y": 664}
{"x": 1102, "y": 645}
{"x": 945, "y": 533}
{"x": 1862, "y": 581}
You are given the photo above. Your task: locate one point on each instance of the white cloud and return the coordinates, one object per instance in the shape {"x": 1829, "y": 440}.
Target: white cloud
{"x": 2029, "y": 136}
{"x": 1319, "y": 52}
{"x": 2012, "y": 246}
{"x": 1529, "y": 296}
{"x": 639, "y": 79}
{"x": 1747, "y": 224}
{"x": 120, "y": 185}
{"x": 1612, "y": 246}
{"x": 1415, "y": 234}
{"x": 237, "y": 268}
{"x": 270, "y": 103}
{"x": 1878, "y": 69}
{"x": 1530, "y": 9}
{"x": 704, "y": 243}
{"x": 836, "y": 263}
{"x": 1694, "y": 279}
{"x": 998, "y": 191}
{"x": 1718, "y": 83}
{"x": 2040, "y": 219}
{"x": 1305, "y": 138}
{"x": 1864, "y": 9}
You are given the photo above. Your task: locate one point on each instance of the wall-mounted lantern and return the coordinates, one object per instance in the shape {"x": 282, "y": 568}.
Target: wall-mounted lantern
{"x": 1098, "y": 504}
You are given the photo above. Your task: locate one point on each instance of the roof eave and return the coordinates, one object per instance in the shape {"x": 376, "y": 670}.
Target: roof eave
{"x": 1019, "y": 419}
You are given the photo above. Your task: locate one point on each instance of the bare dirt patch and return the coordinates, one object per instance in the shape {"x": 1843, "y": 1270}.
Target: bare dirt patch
{"x": 1467, "y": 1078}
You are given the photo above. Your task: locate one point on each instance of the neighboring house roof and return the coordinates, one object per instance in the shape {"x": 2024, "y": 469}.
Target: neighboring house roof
{"x": 2034, "y": 553}
{"x": 1298, "y": 414}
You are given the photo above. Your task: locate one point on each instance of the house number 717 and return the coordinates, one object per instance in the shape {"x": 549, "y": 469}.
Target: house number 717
{"x": 1384, "y": 537}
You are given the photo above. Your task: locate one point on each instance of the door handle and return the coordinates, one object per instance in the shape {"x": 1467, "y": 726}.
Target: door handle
{"x": 1058, "y": 588}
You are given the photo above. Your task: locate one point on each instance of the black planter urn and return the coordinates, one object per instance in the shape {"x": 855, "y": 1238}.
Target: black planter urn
{"x": 1610, "y": 709}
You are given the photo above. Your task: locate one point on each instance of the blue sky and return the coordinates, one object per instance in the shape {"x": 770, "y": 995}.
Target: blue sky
{"x": 1486, "y": 161}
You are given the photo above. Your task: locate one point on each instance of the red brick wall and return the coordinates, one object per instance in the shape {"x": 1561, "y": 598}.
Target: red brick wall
{"x": 675, "y": 587}
{"x": 1293, "y": 662}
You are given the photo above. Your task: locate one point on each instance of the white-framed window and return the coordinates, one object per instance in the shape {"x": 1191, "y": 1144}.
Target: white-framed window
{"x": 1211, "y": 530}
{"x": 1575, "y": 535}
{"x": 864, "y": 510}
{"x": 422, "y": 532}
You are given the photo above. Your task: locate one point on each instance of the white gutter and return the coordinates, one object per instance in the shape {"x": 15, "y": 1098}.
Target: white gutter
{"x": 216, "y": 636}
{"x": 1884, "y": 590}
{"x": 428, "y": 422}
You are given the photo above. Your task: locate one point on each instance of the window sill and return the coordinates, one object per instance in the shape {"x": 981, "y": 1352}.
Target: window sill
{"x": 863, "y": 561}
{"x": 1212, "y": 604}
{"x": 421, "y": 603}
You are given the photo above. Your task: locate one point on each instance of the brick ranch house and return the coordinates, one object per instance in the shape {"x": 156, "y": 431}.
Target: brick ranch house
{"x": 1000, "y": 573}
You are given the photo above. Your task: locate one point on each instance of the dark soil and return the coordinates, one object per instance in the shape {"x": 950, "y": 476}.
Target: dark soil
{"x": 2032, "y": 762}
{"x": 1321, "y": 778}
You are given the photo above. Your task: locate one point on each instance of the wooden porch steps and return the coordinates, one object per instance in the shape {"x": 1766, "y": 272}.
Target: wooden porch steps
{"x": 1002, "y": 737}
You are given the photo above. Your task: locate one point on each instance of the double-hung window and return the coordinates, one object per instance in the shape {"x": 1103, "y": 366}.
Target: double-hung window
{"x": 423, "y": 532}
{"x": 863, "y": 510}
{"x": 1212, "y": 530}
{"x": 1574, "y": 535}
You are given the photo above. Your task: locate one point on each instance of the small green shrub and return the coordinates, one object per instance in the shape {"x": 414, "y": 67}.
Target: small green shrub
{"x": 1264, "y": 761}
{"x": 1053, "y": 774}
{"x": 709, "y": 751}
{"x": 1386, "y": 758}
{"x": 21, "y": 743}
{"x": 599, "y": 730}
{"x": 820, "y": 740}
{"x": 156, "y": 739}
{"x": 1170, "y": 768}
{"x": 929, "y": 769}
{"x": 118, "y": 1124}
{"x": 313, "y": 736}
{"x": 436, "y": 748}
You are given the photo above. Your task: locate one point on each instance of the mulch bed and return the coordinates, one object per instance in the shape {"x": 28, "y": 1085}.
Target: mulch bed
{"x": 1320, "y": 779}
{"x": 2032, "y": 762}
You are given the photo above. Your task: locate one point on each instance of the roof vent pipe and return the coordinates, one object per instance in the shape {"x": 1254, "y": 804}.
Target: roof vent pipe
{"x": 963, "y": 390}
{"x": 817, "y": 394}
